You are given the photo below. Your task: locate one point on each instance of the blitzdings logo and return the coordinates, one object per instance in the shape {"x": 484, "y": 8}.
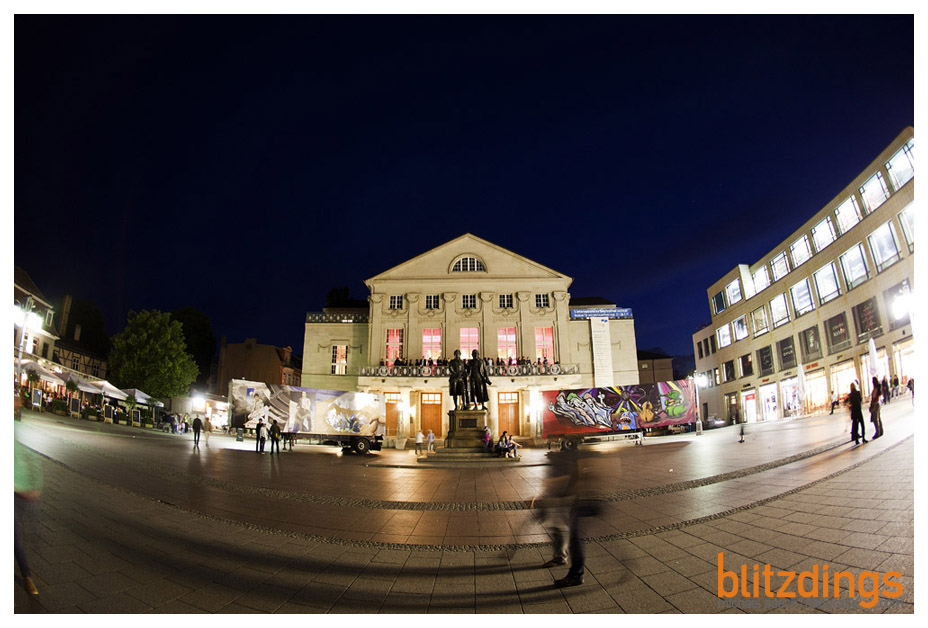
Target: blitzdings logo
{"x": 819, "y": 582}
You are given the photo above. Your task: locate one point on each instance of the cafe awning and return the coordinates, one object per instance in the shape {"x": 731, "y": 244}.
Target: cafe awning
{"x": 44, "y": 374}
{"x": 109, "y": 390}
{"x": 143, "y": 398}
{"x": 82, "y": 384}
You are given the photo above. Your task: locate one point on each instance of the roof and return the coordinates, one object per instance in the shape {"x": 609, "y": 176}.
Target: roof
{"x": 22, "y": 279}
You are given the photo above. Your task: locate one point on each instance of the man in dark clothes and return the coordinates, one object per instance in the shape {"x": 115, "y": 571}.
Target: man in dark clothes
{"x": 197, "y": 426}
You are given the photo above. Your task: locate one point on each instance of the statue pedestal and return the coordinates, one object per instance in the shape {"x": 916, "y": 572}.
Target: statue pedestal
{"x": 465, "y": 429}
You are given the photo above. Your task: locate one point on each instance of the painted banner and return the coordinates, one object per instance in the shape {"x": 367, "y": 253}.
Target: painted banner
{"x": 305, "y": 410}
{"x": 618, "y": 408}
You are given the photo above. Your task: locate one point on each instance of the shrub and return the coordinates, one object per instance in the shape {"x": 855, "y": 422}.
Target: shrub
{"x": 59, "y": 406}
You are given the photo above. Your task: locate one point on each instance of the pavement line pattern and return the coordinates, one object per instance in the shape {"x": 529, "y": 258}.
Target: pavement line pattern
{"x": 471, "y": 506}
{"x": 479, "y": 547}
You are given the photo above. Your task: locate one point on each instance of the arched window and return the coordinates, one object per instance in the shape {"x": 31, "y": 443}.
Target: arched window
{"x": 468, "y": 264}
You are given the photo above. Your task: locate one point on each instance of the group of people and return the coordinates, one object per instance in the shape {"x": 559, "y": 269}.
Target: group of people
{"x": 506, "y": 446}
{"x": 263, "y": 433}
{"x": 428, "y": 439}
{"x": 855, "y": 403}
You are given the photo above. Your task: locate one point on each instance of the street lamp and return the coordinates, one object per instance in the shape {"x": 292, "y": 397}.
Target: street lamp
{"x": 701, "y": 381}
{"x": 26, "y": 318}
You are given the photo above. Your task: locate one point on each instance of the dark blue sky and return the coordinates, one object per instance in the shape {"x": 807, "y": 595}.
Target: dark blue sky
{"x": 246, "y": 165}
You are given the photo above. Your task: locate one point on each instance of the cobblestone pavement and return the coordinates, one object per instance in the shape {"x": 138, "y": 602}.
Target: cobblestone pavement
{"x": 135, "y": 521}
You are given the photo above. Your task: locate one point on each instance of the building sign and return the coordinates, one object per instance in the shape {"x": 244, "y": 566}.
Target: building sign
{"x": 619, "y": 408}
{"x": 602, "y": 352}
{"x": 837, "y": 333}
{"x": 787, "y": 353}
{"x": 765, "y": 357}
{"x": 602, "y": 312}
{"x": 810, "y": 343}
{"x": 867, "y": 320}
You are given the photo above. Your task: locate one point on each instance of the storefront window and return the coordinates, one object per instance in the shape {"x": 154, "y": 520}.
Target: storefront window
{"x": 724, "y": 335}
{"x": 854, "y": 266}
{"x": 810, "y": 343}
{"x": 780, "y": 266}
{"x": 823, "y": 234}
{"x": 779, "y": 311}
{"x": 848, "y": 214}
{"x": 761, "y": 279}
{"x": 883, "y": 247}
{"x": 765, "y": 360}
{"x": 874, "y": 192}
{"x": 867, "y": 320}
{"x": 802, "y": 298}
{"x": 837, "y": 333}
{"x": 787, "y": 351}
{"x": 826, "y": 283}
{"x": 901, "y": 166}
{"x": 800, "y": 251}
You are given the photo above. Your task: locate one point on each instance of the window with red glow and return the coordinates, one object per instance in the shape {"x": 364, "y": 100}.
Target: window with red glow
{"x": 470, "y": 341}
{"x": 544, "y": 343}
{"x": 506, "y": 342}
{"x": 431, "y": 343}
{"x": 394, "y": 345}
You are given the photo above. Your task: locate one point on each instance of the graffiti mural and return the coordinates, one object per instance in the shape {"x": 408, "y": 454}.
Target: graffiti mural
{"x": 620, "y": 408}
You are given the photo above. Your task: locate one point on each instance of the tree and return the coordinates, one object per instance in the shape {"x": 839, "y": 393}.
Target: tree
{"x": 199, "y": 337}
{"x": 150, "y": 354}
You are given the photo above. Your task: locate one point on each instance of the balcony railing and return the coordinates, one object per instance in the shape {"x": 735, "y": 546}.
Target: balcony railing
{"x": 322, "y": 317}
{"x": 443, "y": 371}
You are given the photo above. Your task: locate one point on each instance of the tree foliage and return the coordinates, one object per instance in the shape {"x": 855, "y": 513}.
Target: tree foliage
{"x": 150, "y": 354}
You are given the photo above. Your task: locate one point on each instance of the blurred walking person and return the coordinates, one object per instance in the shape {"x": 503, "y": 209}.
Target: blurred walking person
{"x": 857, "y": 418}
{"x": 27, "y": 486}
{"x": 875, "y": 408}
{"x": 197, "y": 426}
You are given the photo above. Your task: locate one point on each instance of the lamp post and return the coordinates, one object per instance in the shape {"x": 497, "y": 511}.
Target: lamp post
{"x": 699, "y": 382}
{"x": 28, "y": 316}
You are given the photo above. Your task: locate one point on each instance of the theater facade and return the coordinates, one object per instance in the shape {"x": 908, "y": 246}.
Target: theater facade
{"x": 469, "y": 294}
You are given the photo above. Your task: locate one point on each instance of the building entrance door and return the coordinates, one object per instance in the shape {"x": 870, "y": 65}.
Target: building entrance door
{"x": 391, "y": 414}
{"x": 508, "y": 412}
{"x": 749, "y": 404}
{"x": 768, "y": 400}
{"x": 431, "y": 413}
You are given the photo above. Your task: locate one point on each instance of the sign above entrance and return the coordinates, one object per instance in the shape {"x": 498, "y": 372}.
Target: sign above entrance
{"x": 602, "y": 312}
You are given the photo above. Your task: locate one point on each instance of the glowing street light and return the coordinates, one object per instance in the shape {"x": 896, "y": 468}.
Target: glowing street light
{"x": 25, "y": 318}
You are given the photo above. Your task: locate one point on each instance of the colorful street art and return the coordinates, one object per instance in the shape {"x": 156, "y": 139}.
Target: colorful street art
{"x": 305, "y": 410}
{"x": 620, "y": 408}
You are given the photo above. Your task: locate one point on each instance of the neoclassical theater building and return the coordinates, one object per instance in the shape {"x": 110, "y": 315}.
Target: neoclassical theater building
{"x": 469, "y": 294}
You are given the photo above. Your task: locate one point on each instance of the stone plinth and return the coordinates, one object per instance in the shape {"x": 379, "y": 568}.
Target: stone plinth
{"x": 465, "y": 428}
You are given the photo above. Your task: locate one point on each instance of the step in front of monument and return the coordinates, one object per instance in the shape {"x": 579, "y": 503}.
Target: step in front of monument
{"x": 471, "y": 456}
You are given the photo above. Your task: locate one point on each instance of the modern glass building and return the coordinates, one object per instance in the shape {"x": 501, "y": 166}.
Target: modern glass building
{"x": 795, "y": 325}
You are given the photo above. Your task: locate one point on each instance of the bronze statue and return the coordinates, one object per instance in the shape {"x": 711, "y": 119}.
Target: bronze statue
{"x": 479, "y": 380}
{"x": 457, "y": 381}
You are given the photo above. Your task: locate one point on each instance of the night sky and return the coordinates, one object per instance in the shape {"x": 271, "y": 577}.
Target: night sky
{"x": 246, "y": 165}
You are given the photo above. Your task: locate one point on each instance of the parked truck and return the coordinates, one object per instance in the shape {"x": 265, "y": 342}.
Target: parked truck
{"x": 351, "y": 420}
{"x": 572, "y": 417}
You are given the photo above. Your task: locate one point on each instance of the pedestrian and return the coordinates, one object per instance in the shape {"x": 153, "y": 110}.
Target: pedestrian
{"x": 260, "y": 436}
{"x": 207, "y": 428}
{"x": 275, "y": 437}
{"x": 419, "y": 438}
{"x": 586, "y": 503}
{"x": 553, "y": 508}
{"x": 27, "y": 487}
{"x": 911, "y": 386}
{"x": 487, "y": 439}
{"x": 834, "y": 401}
{"x": 431, "y": 441}
{"x": 197, "y": 426}
{"x": 857, "y": 418}
{"x": 895, "y": 386}
{"x": 885, "y": 385}
{"x": 875, "y": 407}
{"x": 513, "y": 448}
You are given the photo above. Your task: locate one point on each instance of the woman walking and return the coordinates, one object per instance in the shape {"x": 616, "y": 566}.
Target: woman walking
{"x": 857, "y": 417}
{"x": 875, "y": 409}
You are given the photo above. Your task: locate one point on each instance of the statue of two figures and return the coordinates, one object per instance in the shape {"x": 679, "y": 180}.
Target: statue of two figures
{"x": 469, "y": 382}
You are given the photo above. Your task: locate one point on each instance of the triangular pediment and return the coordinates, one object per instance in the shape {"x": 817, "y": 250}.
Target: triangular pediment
{"x": 498, "y": 262}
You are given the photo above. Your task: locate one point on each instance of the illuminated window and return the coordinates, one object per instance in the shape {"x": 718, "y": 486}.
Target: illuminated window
{"x": 759, "y": 318}
{"x": 854, "y": 265}
{"x": 431, "y": 343}
{"x": 541, "y": 300}
{"x": 469, "y": 301}
{"x": 779, "y": 311}
{"x": 394, "y": 345}
{"x": 907, "y": 220}
{"x": 505, "y": 301}
{"x": 780, "y": 266}
{"x": 747, "y": 365}
{"x": 874, "y": 192}
{"x": 468, "y": 265}
{"x": 48, "y": 317}
{"x": 740, "y": 326}
{"x": 724, "y": 335}
{"x": 826, "y": 283}
{"x": 901, "y": 166}
{"x": 470, "y": 341}
{"x": 733, "y": 290}
{"x": 544, "y": 343}
{"x": 883, "y": 247}
{"x": 848, "y": 214}
{"x": 339, "y": 359}
{"x": 506, "y": 342}
{"x": 432, "y": 302}
{"x": 761, "y": 279}
{"x": 800, "y": 251}
{"x": 823, "y": 234}
{"x": 396, "y": 303}
{"x": 802, "y": 297}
